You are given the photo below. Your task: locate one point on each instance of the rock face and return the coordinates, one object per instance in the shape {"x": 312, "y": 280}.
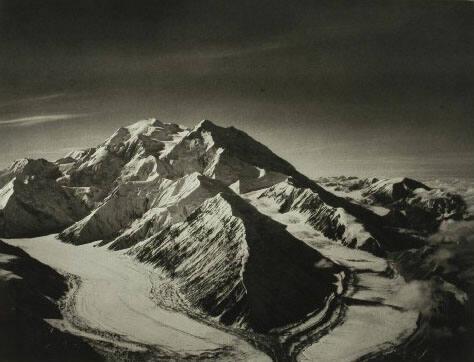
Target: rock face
{"x": 238, "y": 265}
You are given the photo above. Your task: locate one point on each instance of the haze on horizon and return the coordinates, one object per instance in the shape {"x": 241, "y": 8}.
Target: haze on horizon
{"x": 368, "y": 88}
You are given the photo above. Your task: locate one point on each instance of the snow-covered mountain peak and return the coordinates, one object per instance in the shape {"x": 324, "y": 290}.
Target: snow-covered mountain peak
{"x": 229, "y": 155}
{"x": 32, "y": 167}
{"x": 145, "y": 133}
{"x": 27, "y": 167}
{"x": 205, "y": 124}
{"x": 131, "y": 153}
{"x": 394, "y": 189}
{"x": 145, "y": 123}
{"x": 239, "y": 144}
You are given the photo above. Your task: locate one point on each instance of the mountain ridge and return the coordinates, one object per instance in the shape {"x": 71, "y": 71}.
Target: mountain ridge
{"x": 179, "y": 199}
{"x": 289, "y": 290}
{"x": 149, "y": 150}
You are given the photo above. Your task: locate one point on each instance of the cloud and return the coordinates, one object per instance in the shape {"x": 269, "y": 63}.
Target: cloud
{"x": 43, "y": 98}
{"x": 415, "y": 295}
{"x": 34, "y": 120}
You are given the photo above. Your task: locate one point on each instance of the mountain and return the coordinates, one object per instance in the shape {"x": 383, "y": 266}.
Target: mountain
{"x": 192, "y": 202}
{"x": 239, "y": 265}
{"x": 131, "y": 154}
{"x": 386, "y": 191}
{"x": 27, "y": 168}
{"x": 227, "y": 155}
{"x": 117, "y": 190}
{"x": 333, "y": 222}
{"x": 133, "y": 210}
{"x": 402, "y": 202}
{"x": 33, "y": 203}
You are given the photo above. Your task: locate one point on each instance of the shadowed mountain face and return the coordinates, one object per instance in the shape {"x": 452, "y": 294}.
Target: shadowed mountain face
{"x": 178, "y": 198}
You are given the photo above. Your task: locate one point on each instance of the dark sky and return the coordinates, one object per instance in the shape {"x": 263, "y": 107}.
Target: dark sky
{"x": 350, "y": 87}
